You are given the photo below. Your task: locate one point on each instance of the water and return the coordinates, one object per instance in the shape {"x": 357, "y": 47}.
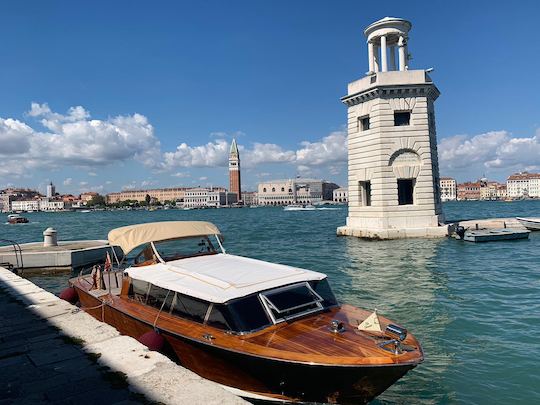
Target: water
{"x": 474, "y": 307}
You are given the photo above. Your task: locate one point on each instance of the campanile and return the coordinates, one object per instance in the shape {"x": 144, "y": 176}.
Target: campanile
{"x": 234, "y": 171}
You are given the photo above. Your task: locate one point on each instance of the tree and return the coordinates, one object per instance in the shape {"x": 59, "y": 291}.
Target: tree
{"x": 147, "y": 199}
{"x": 96, "y": 200}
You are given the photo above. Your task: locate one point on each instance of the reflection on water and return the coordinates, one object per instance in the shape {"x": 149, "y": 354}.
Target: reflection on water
{"x": 474, "y": 307}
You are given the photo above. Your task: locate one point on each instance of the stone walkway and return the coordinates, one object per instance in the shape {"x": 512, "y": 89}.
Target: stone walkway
{"x": 52, "y": 352}
{"x": 38, "y": 365}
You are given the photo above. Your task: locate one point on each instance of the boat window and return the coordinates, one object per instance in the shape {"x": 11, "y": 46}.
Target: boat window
{"x": 138, "y": 290}
{"x": 248, "y": 314}
{"x": 322, "y": 287}
{"x": 190, "y": 308}
{"x": 156, "y": 297}
{"x": 292, "y": 301}
{"x": 145, "y": 256}
{"x": 220, "y": 317}
{"x": 186, "y": 247}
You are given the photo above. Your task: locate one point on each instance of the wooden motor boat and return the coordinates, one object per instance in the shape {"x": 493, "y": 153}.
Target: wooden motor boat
{"x": 17, "y": 219}
{"x": 300, "y": 207}
{"x": 532, "y": 224}
{"x": 262, "y": 330}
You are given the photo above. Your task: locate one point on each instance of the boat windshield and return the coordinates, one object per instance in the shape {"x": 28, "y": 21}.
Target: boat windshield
{"x": 292, "y": 301}
{"x": 175, "y": 249}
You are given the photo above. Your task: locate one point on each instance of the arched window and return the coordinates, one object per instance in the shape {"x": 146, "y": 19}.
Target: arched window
{"x": 290, "y": 190}
{"x": 273, "y": 189}
{"x": 264, "y": 190}
{"x": 282, "y": 189}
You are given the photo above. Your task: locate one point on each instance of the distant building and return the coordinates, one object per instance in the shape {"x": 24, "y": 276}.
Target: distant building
{"x": 88, "y": 196}
{"x": 25, "y": 205}
{"x": 295, "y": 191}
{"x": 468, "y": 191}
{"x": 523, "y": 185}
{"x": 234, "y": 171}
{"x": 53, "y": 205}
{"x": 448, "y": 188}
{"x": 208, "y": 197}
{"x": 249, "y": 197}
{"x": 341, "y": 195}
{"x": 160, "y": 194}
{"x": 51, "y": 190}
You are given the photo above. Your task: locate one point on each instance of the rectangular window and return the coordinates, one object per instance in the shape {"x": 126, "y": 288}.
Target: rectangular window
{"x": 292, "y": 301}
{"x": 402, "y": 118}
{"x": 405, "y": 191}
{"x": 363, "y": 123}
{"x": 365, "y": 193}
{"x": 190, "y": 308}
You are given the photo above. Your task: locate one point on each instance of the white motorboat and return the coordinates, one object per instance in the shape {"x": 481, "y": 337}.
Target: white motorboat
{"x": 532, "y": 224}
{"x": 300, "y": 207}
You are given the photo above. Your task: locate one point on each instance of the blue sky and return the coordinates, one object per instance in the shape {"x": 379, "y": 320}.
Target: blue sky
{"x": 132, "y": 94}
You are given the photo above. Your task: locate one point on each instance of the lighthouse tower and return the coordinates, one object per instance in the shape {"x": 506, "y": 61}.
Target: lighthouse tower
{"x": 234, "y": 171}
{"x": 392, "y": 145}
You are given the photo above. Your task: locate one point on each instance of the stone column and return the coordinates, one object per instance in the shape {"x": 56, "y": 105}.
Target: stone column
{"x": 370, "y": 57}
{"x": 384, "y": 61}
{"x": 393, "y": 58}
{"x": 402, "y": 53}
{"x": 376, "y": 58}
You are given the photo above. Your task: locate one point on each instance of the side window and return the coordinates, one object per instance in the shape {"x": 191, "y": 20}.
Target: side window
{"x": 364, "y": 190}
{"x": 190, "y": 308}
{"x": 363, "y": 123}
{"x": 405, "y": 191}
{"x": 156, "y": 297}
{"x": 219, "y": 317}
{"x": 138, "y": 290}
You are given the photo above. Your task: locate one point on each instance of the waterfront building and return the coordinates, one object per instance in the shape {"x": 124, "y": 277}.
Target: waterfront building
{"x": 51, "y": 190}
{"x": 295, "y": 191}
{"x": 234, "y": 171}
{"x": 468, "y": 191}
{"x": 201, "y": 197}
{"x": 448, "y": 187}
{"x": 25, "y": 205}
{"x": 249, "y": 198}
{"x": 160, "y": 194}
{"x": 47, "y": 204}
{"x": 523, "y": 184}
{"x": 501, "y": 192}
{"x": 392, "y": 147}
{"x": 5, "y": 202}
{"x": 340, "y": 195}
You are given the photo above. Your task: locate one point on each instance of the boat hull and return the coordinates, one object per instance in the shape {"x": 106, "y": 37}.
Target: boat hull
{"x": 532, "y": 224}
{"x": 279, "y": 380}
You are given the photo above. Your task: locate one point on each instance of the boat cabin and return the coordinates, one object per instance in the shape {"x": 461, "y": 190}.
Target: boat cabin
{"x": 192, "y": 277}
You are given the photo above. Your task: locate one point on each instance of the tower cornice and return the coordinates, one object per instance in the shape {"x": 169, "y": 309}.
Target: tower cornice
{"x": 392, "y": 91}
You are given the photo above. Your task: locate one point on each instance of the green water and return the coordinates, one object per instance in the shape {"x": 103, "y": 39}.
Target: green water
{"x": 474, "y": 307}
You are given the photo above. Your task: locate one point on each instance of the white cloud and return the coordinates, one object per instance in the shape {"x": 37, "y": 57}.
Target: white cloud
{"x": 262, "y": 153}
{"x": 74, "y": 139}
{"x": 203, "y": 178}
{"x": 331, "y": 149}
{"x": 213, "y": 154}
{"x": 83, "y": 183}
{"x": 93, "y": 174}
{"x": 150, "y": 182}
{"x": 491, "y": 150}
{"x": 181, "y": 175}
{"x": 68, "y": 181}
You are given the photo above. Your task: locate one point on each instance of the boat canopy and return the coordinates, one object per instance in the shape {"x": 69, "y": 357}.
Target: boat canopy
{"x": 129, "y": 237}
{"x": 221, "y": 277}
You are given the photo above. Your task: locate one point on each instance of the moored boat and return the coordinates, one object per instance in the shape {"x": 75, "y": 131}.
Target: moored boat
{"x": 262, "y": 330}
{"x": 532, "y": 224}
{"x": 17, "y": 219}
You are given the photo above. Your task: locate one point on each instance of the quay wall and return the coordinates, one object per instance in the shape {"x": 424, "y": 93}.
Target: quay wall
{"x": 148, "y": 373}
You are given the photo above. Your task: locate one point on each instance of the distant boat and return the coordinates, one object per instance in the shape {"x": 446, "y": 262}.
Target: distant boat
{"x": 17, "y": 219}
{"x": 300, "y": 207}
{"x": 493, "y": 235}
{"x": 85, "y": 211}
{"x": 532, "y": 224}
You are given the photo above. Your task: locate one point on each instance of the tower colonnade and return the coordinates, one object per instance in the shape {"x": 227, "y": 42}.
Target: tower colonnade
{"x": 382, "y": 44}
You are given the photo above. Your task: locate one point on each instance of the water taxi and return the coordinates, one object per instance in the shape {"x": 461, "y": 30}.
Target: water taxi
{"x": 262, "y": 330}
{"x": 17, "y": 219}
{"x": 300, "y": 207}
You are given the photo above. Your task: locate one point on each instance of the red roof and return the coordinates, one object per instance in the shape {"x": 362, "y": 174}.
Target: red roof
{"x": 524, "y": 176}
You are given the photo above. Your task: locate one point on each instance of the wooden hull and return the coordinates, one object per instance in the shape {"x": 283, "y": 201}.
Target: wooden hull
{"x": 276, "y": 379}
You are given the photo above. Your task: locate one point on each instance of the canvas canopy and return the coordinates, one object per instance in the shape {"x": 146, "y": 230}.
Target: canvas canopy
{"x": 221, "y": 277}
{"x": 129, "y": 237}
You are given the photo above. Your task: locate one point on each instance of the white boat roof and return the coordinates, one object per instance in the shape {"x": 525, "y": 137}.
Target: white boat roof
{"x": 221, "y": 277}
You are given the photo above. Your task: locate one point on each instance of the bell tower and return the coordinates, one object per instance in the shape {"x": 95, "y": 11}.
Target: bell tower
{"x": 392, "y": 146}
{"x": 234, "y": 171}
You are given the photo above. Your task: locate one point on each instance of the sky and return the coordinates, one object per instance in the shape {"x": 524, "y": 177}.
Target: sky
{"x": 106, "y": 96}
